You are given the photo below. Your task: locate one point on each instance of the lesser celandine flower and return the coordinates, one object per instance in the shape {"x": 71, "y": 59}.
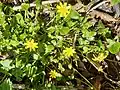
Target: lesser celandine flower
{"x": 63, "y": 9}
{"x": 100, "y": 69}
{"x": 53, "y": 74}
{"x": 30, "y": 44}
{"x": 69, "y": 52}
{"x": 100, "y": 57}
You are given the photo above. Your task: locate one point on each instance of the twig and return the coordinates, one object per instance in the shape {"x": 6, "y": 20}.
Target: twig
{"x": 115, "y": 82}
{"x": 96, "y": 6}
{"x": 105, "y": 74}
{"x": 74, "y": 40}
{"x": 51, "y": 21}
{"x": 90, "y": 85}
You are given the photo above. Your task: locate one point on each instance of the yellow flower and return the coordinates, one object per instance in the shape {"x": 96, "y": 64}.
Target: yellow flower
{"x": 99, "y": 58}
{"x": 69, "y": 52}
{"x": 100, "y": 69}
{"x": 53, "y": 74}
{"x": 63, "y": 9}
{"x": 31, "y": 45}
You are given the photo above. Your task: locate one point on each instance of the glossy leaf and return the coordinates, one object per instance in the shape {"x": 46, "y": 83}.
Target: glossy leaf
{"x": 115, "y": 48}
{"x": 6, "y": 64}
{"x": 64, "y": 31}
{"x": 49, "y": 48}
{"x": 25, "y": 6}
{"x": 74, "y": 14}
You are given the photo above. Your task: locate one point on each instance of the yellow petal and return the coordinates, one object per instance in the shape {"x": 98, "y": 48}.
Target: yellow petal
{"x": 65, "y": 4}
{"x": 61, "y": 4}
{"x": 58, "y": 7}
{"x": 32, "y": 41}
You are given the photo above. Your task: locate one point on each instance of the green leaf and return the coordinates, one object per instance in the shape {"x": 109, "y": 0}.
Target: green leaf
{"x": 6, "y": 64}
{"x": 14, "y": 37}
{"x": 110, "y": 42}
{"x": 2, "y": 18}
{"x": 1, "y": 4}
{"x": 6, "y": 85}
{"x": 86, "y": 25}
{"x": 71, "y": 23}
{"x": 48, "y": 48}
{"x": 83, "y": 42}
{"x": 35, "y": 56}
{"x": 24, "y": 6}
{"x": 19, "y": 19}
{"x": 85, "y": 49}
{"x": 18, "y": 73}
{"x": 102, "y": 29}
{"x": 53, "y": 87}
{"x": 59, "y": 43}
{"x": 101, "y": 25}
{"x": 23, "y": 36}
{"x": 115, "y": 48}
{"x": 30, "y": 70}
{"x": 91, "y": 34}
{"x": 88, "y": 34}
{"x": 53, "y": 42}
{"x": 101, "y": 45}
{"x": 60, "y": 67}
{"x": 14, "y": 43}
{"x": 1, "y": 35}
{"x": 74, "y": 14}
{"x": 33, "y": 70}
{"x": 64, "y": 30}
{"x": 38, "y": 2}
{"x": 115, "y": 2}
{"x": 18, "y": 63}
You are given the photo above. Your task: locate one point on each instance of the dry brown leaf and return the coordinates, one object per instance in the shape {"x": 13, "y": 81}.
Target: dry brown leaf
{"x": 103, "y": 16}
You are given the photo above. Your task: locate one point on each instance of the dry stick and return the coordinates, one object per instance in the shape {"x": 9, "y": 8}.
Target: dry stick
{"x": 83, "y": 78}
{"x": 105, "y": 74}
{"x": 115, "y": 82}
{"x": 96, "y": 6}
{"x": 82, "y": 81}
{"x": 51, "y": 21}
{"x": 75, "y": 38}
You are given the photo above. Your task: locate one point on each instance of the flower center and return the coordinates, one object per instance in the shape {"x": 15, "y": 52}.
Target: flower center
{"x": 31, "y": 44}
{"x": 63, "y": 10}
